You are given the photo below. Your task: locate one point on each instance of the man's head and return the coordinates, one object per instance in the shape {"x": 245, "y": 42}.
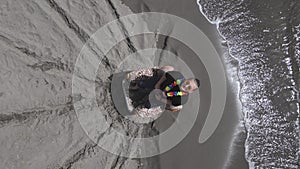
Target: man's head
{"x": 189, "y": 85}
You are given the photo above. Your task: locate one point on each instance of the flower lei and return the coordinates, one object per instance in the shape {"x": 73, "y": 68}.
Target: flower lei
{"x": 175, "y": 93}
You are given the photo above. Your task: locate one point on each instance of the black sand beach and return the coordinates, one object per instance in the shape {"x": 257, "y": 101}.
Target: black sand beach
{"x": 57, "y": 60}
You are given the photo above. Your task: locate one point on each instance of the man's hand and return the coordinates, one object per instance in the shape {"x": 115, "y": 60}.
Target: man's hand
{"x": 160, "y": 96}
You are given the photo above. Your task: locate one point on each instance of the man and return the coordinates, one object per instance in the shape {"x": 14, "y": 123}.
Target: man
{"x": 173, "y": 88}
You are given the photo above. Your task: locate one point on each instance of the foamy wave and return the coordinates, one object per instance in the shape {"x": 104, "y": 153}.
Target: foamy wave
{"x": 264, "y": 38}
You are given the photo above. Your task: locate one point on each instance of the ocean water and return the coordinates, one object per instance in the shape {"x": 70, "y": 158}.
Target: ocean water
{"x": 264, "y": 38}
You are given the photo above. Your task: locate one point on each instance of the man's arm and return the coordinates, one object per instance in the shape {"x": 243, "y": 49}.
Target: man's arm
{"x": 175, "y": 104}
{"x": 174, "y": 108}
{"x": 163, "y": 78}
{"x": 167, "y": 68}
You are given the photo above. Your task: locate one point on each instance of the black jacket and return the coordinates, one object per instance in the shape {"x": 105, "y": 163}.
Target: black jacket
{"x": 171, "y": 76}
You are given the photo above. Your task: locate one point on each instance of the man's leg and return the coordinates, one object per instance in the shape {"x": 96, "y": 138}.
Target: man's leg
{"x": 141, "y": 72}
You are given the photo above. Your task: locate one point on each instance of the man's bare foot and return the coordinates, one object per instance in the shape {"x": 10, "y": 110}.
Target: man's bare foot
{"x": 128, "y": 76}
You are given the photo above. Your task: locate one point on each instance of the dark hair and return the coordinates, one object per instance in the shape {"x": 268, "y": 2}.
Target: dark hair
{"x": 198, "y": 82}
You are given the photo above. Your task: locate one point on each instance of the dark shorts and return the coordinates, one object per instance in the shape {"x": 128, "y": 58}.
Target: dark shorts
{"x": 146, "y": 85}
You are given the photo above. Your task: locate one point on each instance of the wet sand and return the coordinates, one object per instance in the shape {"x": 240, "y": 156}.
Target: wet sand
{"x": 189, "y": 153}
